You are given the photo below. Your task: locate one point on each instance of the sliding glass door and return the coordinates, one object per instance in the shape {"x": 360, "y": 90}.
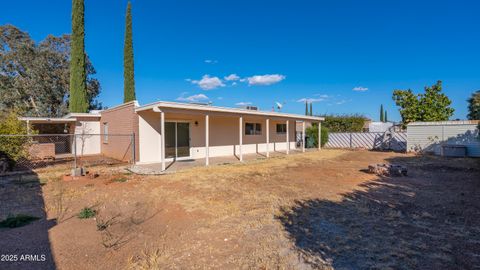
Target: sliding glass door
{"x": 183, "y": 140}
{"x": 177, "y": 139}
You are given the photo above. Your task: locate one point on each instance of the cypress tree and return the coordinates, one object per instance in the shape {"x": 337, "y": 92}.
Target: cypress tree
{"x": 381, "y": 113}
{"x": 128, "y": 72}
{"x": 306, "y": 108}
{"x": 311, "y": 109}
{"x": 78, "y": 101}
{"x": 385, "y": 118}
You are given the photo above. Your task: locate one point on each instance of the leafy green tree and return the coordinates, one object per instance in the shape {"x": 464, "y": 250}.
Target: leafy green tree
{"x": 344, "y": 123}
{"x": 34, "y": 78}
{"x": 128, "y": 70}
{"x": 433, "y": 105}
{"x": 381, "y": 114}
{"x": 474, "y": 106}
{"x": 78, "y": 71}
{"x": 13, "y": 147}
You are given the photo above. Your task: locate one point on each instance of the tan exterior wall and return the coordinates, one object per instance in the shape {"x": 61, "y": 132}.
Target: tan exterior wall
{"x": 224, "y": 135}
{"x": 121, "y": 120}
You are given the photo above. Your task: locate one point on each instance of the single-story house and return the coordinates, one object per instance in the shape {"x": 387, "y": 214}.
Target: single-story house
{"x": 192, "y": 131}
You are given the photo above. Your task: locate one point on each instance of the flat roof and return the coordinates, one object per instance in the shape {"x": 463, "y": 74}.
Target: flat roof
{"x": 73, "y": 115}
{"x": 445, "y": 123}
{"x": 200, "y": 107}
{"x": 41, "y": 120}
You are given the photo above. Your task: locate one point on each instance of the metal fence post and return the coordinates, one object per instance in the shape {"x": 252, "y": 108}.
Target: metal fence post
{"x": 75, "y": 151}
{"x": 351, "y": 146}
{"x": 133, "y": 148}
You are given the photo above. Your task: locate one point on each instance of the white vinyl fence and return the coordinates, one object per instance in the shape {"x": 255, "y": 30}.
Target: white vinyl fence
{"x": 396, "y": 141}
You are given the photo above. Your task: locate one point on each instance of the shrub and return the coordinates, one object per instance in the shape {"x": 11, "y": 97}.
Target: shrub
{"x": 13, "y": 148}
{"x": 17, "y": 221}
{"x": 344, "y": 123}
{"x": 87, "y": 212}
{"x": 312, "y": 132}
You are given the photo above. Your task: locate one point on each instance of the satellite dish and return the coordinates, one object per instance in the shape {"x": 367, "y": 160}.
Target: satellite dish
{"x": 279, "y": 105}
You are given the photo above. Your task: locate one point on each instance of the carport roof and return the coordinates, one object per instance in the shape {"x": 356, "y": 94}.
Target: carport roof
{"x": 209, "y": 108}
{"x": 45, "y": 120}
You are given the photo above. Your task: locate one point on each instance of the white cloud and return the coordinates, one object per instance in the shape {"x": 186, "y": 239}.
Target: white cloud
{"x": 194, "y": 98}
{"x": 209, "y": 61}
{"x": 311, "y": 100}
{"x": 267, "y": 79}
{"x": 243, "y": 103}
{"x": 360, "y": 89}
{"x": 341, "y": 102}
{"x": 232, "y": 77}
{"x": 321, "y": 95}
{"x": 208, "y": 83}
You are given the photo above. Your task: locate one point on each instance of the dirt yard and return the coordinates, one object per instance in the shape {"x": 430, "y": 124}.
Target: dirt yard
{"x": 317, "y": 210}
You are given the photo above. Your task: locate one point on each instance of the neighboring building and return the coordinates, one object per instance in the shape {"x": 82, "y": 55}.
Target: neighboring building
{"x": 192, "y": 131}
{"x": 379, "y": 126}
{"x": 366, "y": 125}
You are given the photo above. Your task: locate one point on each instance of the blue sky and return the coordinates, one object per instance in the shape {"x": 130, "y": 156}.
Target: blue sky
{"x": 319, "y": 50}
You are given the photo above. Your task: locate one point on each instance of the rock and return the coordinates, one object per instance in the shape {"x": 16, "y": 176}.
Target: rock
{"x": 387, "y": 170}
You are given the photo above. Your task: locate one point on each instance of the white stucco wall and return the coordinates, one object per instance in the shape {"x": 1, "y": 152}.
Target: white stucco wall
{"x": 87, "y": 138}
{"x": 149, "y": 137}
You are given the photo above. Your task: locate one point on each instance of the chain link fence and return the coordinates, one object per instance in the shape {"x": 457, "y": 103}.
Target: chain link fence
{"x": 24, "y": 153}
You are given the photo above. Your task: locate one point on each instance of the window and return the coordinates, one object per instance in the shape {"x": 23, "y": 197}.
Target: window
{"x": 253, "y": 129}
{"x": 105, "y": 132}
{"x": 281, "y": 128}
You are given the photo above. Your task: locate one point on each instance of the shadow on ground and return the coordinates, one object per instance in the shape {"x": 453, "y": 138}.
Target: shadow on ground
{"x": 428, "y": 220}
{"x": 28, "y": 246}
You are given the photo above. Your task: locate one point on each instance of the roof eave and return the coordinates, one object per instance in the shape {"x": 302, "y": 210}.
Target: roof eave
{"x": 175, "y": 105}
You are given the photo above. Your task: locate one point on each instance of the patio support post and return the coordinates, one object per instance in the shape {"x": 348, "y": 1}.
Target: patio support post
{"x": 240, "y": 128}
{"x": 207, "y": 138}
{"x": 268, "y": 137}
{"x": 303, "y": 136}
{"x": 319, "y": 135}
{"x": 162, "y": 139}
{"x": 288, "y": 139}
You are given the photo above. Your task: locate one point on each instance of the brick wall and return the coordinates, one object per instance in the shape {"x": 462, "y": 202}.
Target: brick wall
{"x": 121, "y": 120}
{"x": 42, "y": 150}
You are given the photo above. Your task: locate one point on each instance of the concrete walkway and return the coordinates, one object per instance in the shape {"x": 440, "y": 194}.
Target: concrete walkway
{"x": 178, "y": 165}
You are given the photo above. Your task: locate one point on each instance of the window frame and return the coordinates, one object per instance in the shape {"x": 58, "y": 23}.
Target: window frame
{"x": 284, "y": 128}
{"x": 256, "y": 129}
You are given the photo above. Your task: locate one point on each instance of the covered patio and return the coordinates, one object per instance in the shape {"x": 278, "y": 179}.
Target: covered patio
{"x": 174, "y": 135}
{"x": 173, "y": 166}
